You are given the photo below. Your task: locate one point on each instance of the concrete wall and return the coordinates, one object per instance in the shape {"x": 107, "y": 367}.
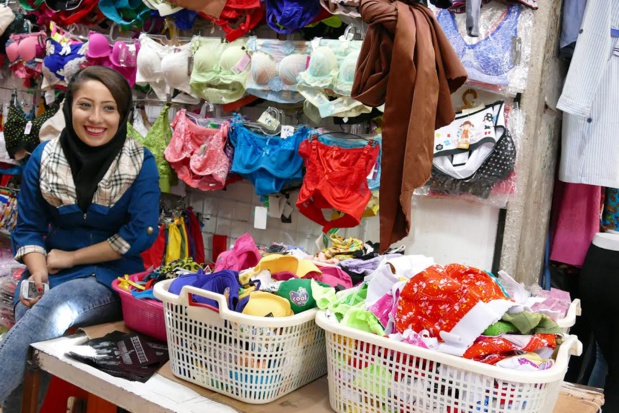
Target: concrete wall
{"x": 528, "y": 214}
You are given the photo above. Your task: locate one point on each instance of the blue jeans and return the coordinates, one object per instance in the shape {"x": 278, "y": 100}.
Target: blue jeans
{"x": 76, "y": 303}
{"x": 600, "y": 369}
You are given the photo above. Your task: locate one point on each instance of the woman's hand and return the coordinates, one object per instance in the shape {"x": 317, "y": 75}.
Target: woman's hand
{"x": 39, "y": 278}
{"x": 58, "y": 260}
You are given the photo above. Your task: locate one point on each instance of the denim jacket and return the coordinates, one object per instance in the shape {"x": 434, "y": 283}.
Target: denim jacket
{"x": 121, "y": 212}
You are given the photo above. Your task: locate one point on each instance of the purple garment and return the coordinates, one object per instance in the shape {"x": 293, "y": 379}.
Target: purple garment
{"x": 243, "y": 255}
{"x": 288, "y": 16}
{"x": 365, "y": 267}
{"x": 224, "y": 282}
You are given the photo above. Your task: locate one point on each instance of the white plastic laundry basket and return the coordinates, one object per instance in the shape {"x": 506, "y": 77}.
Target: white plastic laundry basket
{"x": 252, "y": 359}
{"x": 373, "y": 374}
{"x": 570, "y": 317}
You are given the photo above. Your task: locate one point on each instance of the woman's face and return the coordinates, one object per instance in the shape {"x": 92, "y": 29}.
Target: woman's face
{"x": 95, "y": 114}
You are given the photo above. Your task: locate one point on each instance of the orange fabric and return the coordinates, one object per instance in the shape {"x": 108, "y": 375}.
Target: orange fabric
{"x": 404, "y": 42}
{"x": 491, "y": 350}
{"x": 437, "y": 298}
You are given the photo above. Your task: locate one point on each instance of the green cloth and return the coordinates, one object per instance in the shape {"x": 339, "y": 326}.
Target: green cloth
{"x": 500, "y": 327}
{"x": 299, "y": 293}
{"x": 531, "y": 323}
{"x": 324, "y": 296}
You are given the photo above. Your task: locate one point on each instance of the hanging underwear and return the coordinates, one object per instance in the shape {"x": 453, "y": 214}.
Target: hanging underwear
{"x": 125, "y": 13}
{"x": 197, "y": 154}
{"x": 25, "y": 53}
{"x": 332, "y": 139}
{"x": 156, "y": 140}
{"x": 164, "y": 68}
{"x": 275, "y": 65}
{"x": 62, "y": 61}
{"x": 490, "y": 60}
{"x": 122, "y": 57}
{"x": 327, "y": 82}
{"x": 288, "y": 16}
{"x": 335, "y": 178}
{"x": 491, "y": 156}
{"x": 219, "y": 69}
{"x": 268, "y": 162}
{"x": 238, "y": 17}
{"x": 21, "y": 131}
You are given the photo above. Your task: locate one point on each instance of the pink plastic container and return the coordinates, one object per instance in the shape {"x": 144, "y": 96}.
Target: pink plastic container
{"x": 144, "y": 315}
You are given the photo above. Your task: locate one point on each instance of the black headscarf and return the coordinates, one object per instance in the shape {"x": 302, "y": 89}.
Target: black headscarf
{"x": 89, "y": 164}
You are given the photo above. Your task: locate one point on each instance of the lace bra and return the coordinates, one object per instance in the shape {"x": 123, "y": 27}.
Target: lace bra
{"x": 330, "y": 73}
{"x": 275, "y": 65}
{"x": 219, "y": 69}
{"x": 163, "y": 67}
{"x": 490, "y": 60}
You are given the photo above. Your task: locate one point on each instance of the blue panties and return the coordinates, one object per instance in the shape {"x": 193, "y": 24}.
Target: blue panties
{"x": 490, "y": 60}
{"x": 268, "y": 162}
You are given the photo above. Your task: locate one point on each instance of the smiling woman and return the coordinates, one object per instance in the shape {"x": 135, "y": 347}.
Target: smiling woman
{"x": 88, "y": 203}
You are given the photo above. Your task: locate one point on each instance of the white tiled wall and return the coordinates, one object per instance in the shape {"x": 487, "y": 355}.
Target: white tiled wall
{"x": 230, "y": 212}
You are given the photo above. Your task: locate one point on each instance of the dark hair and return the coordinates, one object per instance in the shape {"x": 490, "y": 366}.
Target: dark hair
{"x": 114, "y": 81}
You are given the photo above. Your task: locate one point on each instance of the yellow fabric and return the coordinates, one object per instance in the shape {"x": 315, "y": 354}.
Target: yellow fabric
{"x": 261, "y": 304}
{"x": 277, "y": 263}
{"x": 180, "y": 223}
{"x": 173, "y": 248}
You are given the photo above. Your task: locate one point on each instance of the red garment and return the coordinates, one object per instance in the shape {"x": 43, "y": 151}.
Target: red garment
{"x": 491, "y": 350}
{"x": 196, "y": 234}
{"x": 238, "y": 17}
{"x": 405, "y": 43}
{"x": 155, "y": 254}
{"x": 437, "y": 298}
{"x": 335, "y": 178}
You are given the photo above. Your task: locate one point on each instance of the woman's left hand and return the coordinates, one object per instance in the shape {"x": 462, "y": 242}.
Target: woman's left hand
{"x": 58, "y": 260}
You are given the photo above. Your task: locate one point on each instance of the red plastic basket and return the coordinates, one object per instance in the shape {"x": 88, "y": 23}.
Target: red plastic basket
{"x": 142, "y": 315}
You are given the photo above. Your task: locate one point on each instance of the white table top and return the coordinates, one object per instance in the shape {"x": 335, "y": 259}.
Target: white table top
{"x": 158, "y": 394}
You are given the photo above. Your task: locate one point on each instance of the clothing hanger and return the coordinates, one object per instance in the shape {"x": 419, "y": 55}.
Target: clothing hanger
{"x": 275, "y": 113}
{"x": 114, "y": 35}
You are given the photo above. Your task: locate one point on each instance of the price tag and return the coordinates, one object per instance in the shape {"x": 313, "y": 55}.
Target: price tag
{"x": 287, "y": 131}
{"x": 28, "y": 128}
{"x": 260, "y": 217}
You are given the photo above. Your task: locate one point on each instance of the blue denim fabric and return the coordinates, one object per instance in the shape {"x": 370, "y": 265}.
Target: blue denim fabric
{"x": 75, "y": 303}
{"x": 600, "y": 369}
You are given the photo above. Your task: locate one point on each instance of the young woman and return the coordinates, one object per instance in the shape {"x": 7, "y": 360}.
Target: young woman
{"x": 88, "y": 206}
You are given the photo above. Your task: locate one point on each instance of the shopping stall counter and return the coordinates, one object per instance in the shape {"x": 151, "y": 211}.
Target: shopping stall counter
{"x": 164, "y": 392}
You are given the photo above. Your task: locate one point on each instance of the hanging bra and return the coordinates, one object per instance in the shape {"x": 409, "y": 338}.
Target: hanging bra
{"x": 25, "y": 53}
{"x": 238, "y": 17}
{"x": 197, "y": 153}
{"x": 288, "y": 16}
{"x": 335, "y": 178}
{"x": 62, "y": 62}
{"x": 343, "y": 7}
{"x": 163, "y": 67}
{"x": 462, "y": 146}
{"x": 275, "y": 65}
{"x": 212, "y": 7}
{"x": 268, "y": 162}
{"x": 121, "y": 57}
{"x": 490, "y": 60}
{"x": 219, "y": 69}
{"x": 331, "y": 72}
{"x": 125, "y": 13}
{"x": 163, "y": 7}
{"x": 21, "y": 130}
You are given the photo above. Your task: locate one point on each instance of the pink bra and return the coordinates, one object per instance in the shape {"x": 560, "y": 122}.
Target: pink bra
{"x": 26, "y": 47}
{"x": 121, "y": 57}
{"x": 197, "y": 153}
